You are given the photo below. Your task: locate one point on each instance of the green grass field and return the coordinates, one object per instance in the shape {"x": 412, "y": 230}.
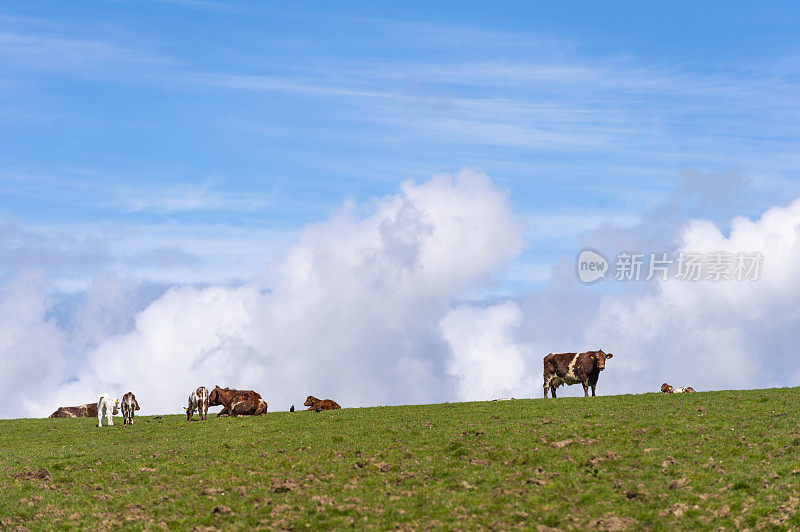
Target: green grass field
{"x": 699, "y": 461}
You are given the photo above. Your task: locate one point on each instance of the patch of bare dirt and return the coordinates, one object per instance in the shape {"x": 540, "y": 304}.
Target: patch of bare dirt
{"x": 39, "y": 474}
{"x": 679, "y": 484}
{"x": 283, "y": 485}
{"x": 613, "y": 523}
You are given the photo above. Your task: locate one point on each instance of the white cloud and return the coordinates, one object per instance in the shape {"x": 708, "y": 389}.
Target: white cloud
{"x": 361, "y": 308}
{"x": 484, "y": 357}
{"x": 353, "y": 315}
{"x": 31, "y": 346}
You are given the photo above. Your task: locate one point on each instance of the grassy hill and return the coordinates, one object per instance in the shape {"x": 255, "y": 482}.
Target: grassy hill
{"x": 701, "y": 461}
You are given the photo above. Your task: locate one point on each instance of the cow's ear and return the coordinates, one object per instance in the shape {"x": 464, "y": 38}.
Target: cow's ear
{"x": 609, "y": 355}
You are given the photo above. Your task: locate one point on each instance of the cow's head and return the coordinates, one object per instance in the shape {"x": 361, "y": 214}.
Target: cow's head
{"x": 215, "y": 397}
{"x": 115, "y": 411}
{"x": 666, "y": 388}
{"x": 188, "y": 414}
{"x": 311, "y": 401}
{"x": 600, "y": 358}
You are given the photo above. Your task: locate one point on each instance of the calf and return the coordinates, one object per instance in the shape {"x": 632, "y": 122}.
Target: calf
{"x": 198, "y": 400}
{"x": 89, "y": 410}
{"x": 320, "y": 404}
{"x": 666, "y": 388}
{"x": 129, "y": 406}
{"x": 237, "y": 402}
{"x": 107, "y": 406}
{"x": 573, "y": 368}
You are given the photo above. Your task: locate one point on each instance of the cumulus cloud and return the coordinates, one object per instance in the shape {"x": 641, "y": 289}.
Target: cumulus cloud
{"x": 485, "y": 356}
{"x": 31, "y": 346}
{"x": 353, "y": 314}
{"x": 368, "y": 308}
{"x": 707, "y": 334}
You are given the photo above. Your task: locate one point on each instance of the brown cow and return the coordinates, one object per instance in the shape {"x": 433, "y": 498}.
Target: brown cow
{"x": 573, "y": 368}
{"x": 321, "y": 404}
{"x": 666, "y": 388}
{"x": 89, "y": 410}
{"x": 237, "y": 402}
{"x": 129, "y": 406}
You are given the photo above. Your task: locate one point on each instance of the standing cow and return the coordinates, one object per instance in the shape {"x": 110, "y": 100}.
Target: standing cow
{"x": 237, "y": 402}
{"x": 129, "y": 406}
{"x": 107, "y": 406}
{"x": 198, "y": 400}
{"x": 574, "y": 368}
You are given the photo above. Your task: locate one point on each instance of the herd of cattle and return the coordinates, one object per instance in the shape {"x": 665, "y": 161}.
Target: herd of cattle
{"x": 233, "y": 402}
{"x": 559, "y": 369}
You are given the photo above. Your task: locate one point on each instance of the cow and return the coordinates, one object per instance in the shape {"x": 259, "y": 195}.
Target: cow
{"x": 129, "y": 406}
{"x": 89, "y": 410}
{"x": 666, "y": 388}
{"x": 106, "y": 406}
{"x": 198, "y": 400}
{"x": 574, "y": 368}
{"x": 237, "y": 402}
{"x": 321, "y": 404}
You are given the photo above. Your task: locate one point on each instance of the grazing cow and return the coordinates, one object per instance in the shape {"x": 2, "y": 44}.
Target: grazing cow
{"x": 129, "y": 406}
{"x": 320, "y": 404}
{"x": 89, "y": 410}
{"x": 107, "y": 406}
{"x": 574, "y": 368}
{"x": 237, "y": 402}
{"x": 666, "y": 388}
{"x": 198, "y": 400}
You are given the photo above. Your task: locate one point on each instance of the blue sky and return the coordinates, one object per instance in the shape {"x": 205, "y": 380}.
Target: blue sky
{"x": 170, "y": 118}
{"x": 159, "y": 155}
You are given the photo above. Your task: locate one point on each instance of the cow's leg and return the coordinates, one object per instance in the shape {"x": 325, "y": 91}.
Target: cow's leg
{"x": 553, "y": 390}
{"x": 109, "y": 417}
{"x": 585, "y": 389}
{"x": 593, "y": 387}
{"x": 99, "y": 416}
{"x": 546, "y": 386}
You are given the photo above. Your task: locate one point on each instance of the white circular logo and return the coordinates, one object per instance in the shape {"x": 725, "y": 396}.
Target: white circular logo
{"x": 591, "y": 266}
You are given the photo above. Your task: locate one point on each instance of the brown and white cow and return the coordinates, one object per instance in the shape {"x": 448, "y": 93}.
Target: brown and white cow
{"x": 574, "y": 368}
{"x": 666, "y": 388}
{"x": 321, "y": 404}
{"x": 89, "y": 410}
{"x": 129, "y": 406}
{"x": 198, "y": 400}
{"x": 237, "y": 402}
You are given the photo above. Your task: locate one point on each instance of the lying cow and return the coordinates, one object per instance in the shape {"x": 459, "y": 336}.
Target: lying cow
{"x": 321, "y": 404}
{"x": 198, "y": 400}
{"x": 237, "y": 402}
{"x": 574, "y": 368}
{"x": 107, "y": 406}
{"x": 666, "y": 388}
{"x": 129, "y": 406}
{"x": 89, "y": 410}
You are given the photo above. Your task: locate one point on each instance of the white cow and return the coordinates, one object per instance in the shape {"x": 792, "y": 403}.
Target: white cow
{"x": 198, "y": 400}
{"x": 107, "y": 406}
